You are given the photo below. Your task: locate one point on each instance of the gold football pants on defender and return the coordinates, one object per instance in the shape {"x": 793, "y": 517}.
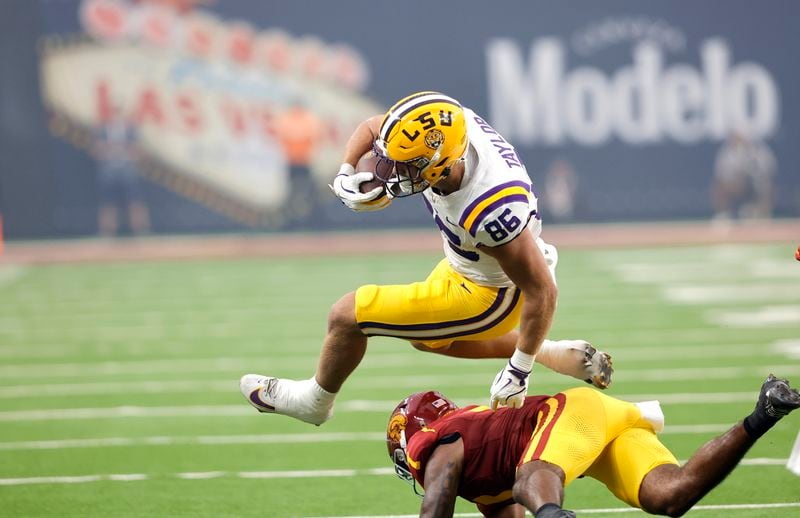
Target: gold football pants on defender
{"x": 588, "y": 433}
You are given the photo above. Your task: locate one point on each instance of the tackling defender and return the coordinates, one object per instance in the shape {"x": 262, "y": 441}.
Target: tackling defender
{"x": 497, "y": 274}
{"x": 511, "y": 458}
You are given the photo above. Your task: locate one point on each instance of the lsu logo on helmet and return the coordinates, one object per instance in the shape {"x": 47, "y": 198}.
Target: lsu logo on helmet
{"x": 426, "y": 132}
{"x": 434, "y": 138}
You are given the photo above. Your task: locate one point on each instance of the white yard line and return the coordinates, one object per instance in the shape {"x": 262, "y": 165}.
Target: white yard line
{"x": 727, "y": 294}
{"x": 59, "y": 346}
{"x": 676, "y": 374}
{"x": 789, "y": 348}
{"x": 374, "y": 360}
{"x": 286, "y": 474}
{"x": 191, "y": 365}
{"x": 110, "y": 387}
{"x": 609, "y": 510}
{"x": 756, "y": 317}
{"x": 715, "y": 351}
{"x": 126, "y": 412}
{"x": 733, "y": 273}
{"x": 81, "y": 479}
{"x": 231, "y": 385}
{"x": 11, "y": 273}
{"x": 363, "y": 381}
{"x": 723, "y": 281}
{"x": 293, "y": 438}
{"x": 353, "y": 405}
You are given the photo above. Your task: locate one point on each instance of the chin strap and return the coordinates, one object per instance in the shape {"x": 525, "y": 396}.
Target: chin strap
{"x": 449, "y": 169}
{"x": 402, "y": 471}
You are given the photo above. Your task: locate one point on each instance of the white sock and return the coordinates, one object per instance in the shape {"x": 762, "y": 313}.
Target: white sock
{"x": 563, "y": 356}
{"x": 305, "y": 400}
{"x": 321, "y": 396}
{"x": 522, "y": 361}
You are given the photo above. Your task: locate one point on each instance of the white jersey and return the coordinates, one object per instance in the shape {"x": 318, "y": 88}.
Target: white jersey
{"x": 493, "y": 205}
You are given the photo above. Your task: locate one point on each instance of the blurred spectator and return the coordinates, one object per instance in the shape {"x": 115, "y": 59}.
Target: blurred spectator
{"x": 560, "y": 188}
{"x": 180, "y": 6}
{"x": 742, "y": 183}
{"x": 299, "y": 132}
{"x": 118, "y": 181}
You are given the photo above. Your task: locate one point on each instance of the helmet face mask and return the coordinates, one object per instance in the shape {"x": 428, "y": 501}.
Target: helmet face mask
{"x": 400, "y": 465}
{"x": 413, "y": 414}
{"x": 422, "y": 135}
{"x": 401, "y": 178}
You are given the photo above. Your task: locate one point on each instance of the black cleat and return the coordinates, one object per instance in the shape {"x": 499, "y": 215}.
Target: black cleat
{"x": 777, "y": 398}
{"x": 553, "y": 511}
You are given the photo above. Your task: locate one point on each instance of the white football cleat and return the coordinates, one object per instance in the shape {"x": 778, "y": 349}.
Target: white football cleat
{"x": 304, "y": 400}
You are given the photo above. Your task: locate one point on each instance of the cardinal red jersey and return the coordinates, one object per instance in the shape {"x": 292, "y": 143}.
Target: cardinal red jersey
{"x": 580, "y": 430}
{"x": 493, "y": 445}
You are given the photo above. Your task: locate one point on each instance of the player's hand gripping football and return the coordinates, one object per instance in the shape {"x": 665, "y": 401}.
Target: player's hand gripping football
{"x": 346, "y": 188}
{"x": 509, "y": 388}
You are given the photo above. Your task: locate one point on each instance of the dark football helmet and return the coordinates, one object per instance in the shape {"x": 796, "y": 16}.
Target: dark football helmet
{"x": 413, "y": 414}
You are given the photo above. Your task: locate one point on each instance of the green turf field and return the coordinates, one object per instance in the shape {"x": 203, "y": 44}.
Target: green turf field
{"x": 119, "y": 383}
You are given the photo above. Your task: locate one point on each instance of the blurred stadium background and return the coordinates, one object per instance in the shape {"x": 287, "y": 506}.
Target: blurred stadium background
{"x": 166, "y": 227}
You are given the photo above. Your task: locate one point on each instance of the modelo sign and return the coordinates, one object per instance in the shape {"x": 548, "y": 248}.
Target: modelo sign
{"x": 541, "y": 100}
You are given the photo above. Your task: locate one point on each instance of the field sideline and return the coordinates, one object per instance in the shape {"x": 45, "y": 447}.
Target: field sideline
{"x": 138, "y": 363}
{"x": 575, "y": 236}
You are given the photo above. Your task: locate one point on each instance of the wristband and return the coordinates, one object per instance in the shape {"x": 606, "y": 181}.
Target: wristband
{"x": 346, "y": 169}
{"x": 522, "y": 361}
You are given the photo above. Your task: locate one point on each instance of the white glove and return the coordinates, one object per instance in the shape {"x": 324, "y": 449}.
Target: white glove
{"x": 509, "y": 388}
{"x": 346, "y": 188}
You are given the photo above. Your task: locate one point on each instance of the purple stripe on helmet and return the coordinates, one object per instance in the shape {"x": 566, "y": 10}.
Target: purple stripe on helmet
{"x": 385, "y": 132}
{"x": 473, "y": 229}
{"x": 516, "y": 293}
{"x": 258, "y": 402}
{"x": 494, "y": 190}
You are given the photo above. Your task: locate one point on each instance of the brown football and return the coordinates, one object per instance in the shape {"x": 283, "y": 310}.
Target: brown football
{"x": 367, "y": 163}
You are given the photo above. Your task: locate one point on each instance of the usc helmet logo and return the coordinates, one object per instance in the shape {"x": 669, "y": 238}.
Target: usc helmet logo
{"x": 396, "y": 426}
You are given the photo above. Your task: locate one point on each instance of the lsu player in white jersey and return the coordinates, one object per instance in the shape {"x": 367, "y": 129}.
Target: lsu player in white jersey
{"x": 494, "y": 293}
